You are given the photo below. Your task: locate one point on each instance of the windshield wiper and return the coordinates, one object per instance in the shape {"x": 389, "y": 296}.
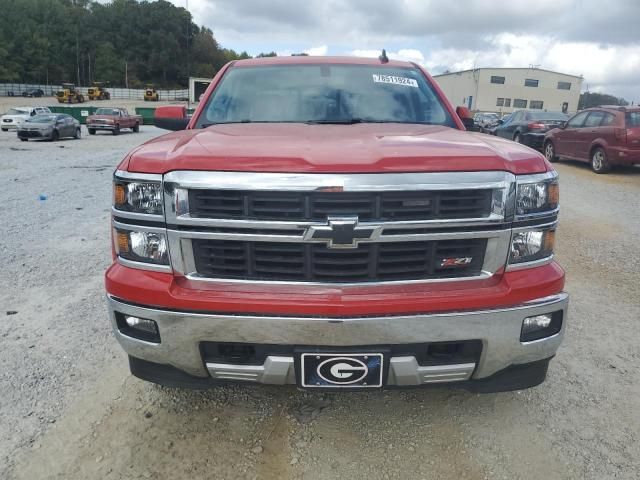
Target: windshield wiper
{"x": 341, "y": 121}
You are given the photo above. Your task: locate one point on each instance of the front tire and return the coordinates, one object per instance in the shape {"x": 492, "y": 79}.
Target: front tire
{"x": 550, "y": 151}
{"x": 116, "y": 130}
{"x": 24, "y": 139}
{"x": 136, "y": 128}
{"x": 92, "y": 131}
{"x": 599, "y": 162}
{"x": 78, "y": 134}
{"x": 517, "y": 138}
{"x": 55, "y": 136}
{"x": 5, "y": 129}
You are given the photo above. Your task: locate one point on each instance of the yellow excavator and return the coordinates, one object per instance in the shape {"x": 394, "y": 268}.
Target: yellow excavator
{"x": 150, "y": 94}
{"x": 69, "y": 94}
{"x": 98, "y": 91}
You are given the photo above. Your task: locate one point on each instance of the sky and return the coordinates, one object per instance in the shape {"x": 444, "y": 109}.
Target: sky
{"x": 599, "y": 40}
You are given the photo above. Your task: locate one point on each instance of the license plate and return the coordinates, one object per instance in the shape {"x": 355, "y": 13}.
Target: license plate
{"x": 336, "y": 370}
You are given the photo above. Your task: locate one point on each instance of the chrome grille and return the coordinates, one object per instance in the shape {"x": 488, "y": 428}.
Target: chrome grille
{"x": 347, "y": 229}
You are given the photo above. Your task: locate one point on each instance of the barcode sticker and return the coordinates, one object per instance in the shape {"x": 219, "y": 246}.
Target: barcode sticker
{"x": 408, "y": 82}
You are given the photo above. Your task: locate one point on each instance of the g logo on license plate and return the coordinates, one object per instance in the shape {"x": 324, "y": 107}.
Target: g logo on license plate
{"x": 342, "y": 370}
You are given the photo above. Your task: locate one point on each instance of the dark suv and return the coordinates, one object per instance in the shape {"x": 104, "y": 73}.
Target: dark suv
{"x": 529, "y": 127}
{"x": 603, "y": 136}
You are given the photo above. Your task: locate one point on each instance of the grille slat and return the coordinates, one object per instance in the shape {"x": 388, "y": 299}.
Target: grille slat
{"x": 300, "y": 262}
{"x": 317, "y": 206}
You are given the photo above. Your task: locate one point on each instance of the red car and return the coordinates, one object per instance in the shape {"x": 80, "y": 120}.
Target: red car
{"x": 603, "y": 136}
{"x": 327, "y": 222}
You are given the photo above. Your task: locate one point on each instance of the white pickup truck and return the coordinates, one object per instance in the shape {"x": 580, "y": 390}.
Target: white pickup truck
{"x": 15, "y": 116}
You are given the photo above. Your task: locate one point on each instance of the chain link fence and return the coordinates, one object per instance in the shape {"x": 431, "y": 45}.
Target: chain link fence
{"x": 17, "y": 89}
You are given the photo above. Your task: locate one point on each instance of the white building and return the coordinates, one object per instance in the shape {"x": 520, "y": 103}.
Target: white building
{"x": 504, "y": 90}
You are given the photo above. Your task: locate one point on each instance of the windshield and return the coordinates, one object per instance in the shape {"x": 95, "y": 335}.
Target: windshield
{"x": 546, "y": 116}
{"x": 107, "y": 111}
{"x": 42, "y": 119}
{"x": 324, "y": 94}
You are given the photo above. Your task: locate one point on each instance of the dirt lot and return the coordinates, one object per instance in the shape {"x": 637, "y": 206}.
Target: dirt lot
{"x": 70, "y": 410}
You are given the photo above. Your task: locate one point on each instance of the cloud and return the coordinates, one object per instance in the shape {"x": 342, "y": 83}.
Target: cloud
{"x": 598, "y": 40}
{"x": 317, "y": 51}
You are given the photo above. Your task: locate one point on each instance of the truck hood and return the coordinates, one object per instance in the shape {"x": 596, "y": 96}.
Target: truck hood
{"x": 359, "y": 148}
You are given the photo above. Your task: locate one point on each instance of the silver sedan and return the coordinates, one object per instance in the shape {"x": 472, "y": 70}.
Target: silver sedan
{"x": 52, "y": 126}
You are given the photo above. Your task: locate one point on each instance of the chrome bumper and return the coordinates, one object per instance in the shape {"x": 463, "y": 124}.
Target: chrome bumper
{"x": 499, "y": 330}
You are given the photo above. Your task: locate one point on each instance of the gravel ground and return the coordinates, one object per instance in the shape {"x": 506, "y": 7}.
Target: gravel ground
{"x": 70, "y": 409}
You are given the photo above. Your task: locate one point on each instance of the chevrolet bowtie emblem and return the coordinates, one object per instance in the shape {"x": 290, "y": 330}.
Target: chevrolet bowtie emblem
{"x": 341, "y": 232}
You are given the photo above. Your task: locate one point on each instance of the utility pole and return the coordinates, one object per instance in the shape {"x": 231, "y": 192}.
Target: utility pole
{"x": 126, "y": 74}
{"x": 188, "y": 56}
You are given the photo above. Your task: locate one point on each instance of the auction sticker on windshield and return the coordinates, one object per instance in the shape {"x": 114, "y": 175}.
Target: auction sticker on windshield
{"x": 409, "y": 82}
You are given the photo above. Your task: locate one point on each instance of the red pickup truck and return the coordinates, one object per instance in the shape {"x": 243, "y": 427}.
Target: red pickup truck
{"x": 113, "y": 120}
{"x": 328, "y": 222}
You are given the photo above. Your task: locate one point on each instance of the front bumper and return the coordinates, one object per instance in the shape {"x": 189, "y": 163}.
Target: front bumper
{"x": 101, "y": 126}
{"x": 183, "y": 333}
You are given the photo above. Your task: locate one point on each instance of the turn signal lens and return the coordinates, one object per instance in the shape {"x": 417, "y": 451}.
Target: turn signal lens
{"x": 119, "y": 195}
{"x": 123, "y": 242}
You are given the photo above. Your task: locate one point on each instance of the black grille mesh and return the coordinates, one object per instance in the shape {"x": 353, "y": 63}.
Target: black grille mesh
{"x": 313, "y": 262}
{"x": 314, "y": 206}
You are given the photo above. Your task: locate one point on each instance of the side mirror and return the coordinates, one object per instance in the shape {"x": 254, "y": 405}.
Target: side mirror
{"x": 563, "y": 125}
{"x": 466, "y": 117}
{"x": 171, "y": 117}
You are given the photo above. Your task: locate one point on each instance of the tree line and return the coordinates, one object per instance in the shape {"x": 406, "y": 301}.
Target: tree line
{"x": 124, "y": 42}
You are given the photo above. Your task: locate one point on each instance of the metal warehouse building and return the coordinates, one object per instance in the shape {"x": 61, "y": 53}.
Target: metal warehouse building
{"x": 504, "y": 90}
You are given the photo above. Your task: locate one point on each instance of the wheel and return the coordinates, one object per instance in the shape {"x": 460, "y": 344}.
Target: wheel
{"x": 136, "y": 128}
{"x": 92, "y": 131}
{"x": 550, "y": 151}
{"x": 55, "y": 136}
{"x": 599, "y": 162}
{"x": 5, "y": 129}
{"x": 107, "y": 96}
{"x": 517, "y": 138}
{"x": 116, "y": 130}
{"x": 24, "y": 139}
{"x": 78, "y": 134}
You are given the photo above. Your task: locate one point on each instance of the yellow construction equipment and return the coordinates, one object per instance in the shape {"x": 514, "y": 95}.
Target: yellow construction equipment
{"x": 69, "y": 94}
{"x": 150, "y": 94}
{"x": 98, "y": 91}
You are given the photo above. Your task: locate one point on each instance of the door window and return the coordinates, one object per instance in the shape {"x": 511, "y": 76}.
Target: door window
{"x": 608, "y": 119}
{"x": 594, "y": 119}
{"x": 578, "y": 120}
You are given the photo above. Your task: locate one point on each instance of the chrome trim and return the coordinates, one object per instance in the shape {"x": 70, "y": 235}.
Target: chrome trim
{"x": 407, "y": 371}
{"x": 512, "y": 267}
{"x": 403, "y": 371}
{"x": 498, "y": 329}
{"x": 138, "y": 228}
{"x": 538, "y": 215}
{"x": 132, "y": 176}
{"x": 348, "y": 182}
{"x": 276, "y": 370}
{"x": 146, "y": 217}
{"x": 537, "y": 177}
{"x": 543, "y": 226}
{"x": 154, "y": 267}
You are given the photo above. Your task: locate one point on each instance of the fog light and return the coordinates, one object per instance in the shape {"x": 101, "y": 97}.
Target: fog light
{"x": 541, "y": 326}
{"x": 136, "y": 327}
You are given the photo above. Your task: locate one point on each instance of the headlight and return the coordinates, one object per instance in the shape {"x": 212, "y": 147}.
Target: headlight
{"x": 531, "y": 245}
{"x": 142, "y": 246}
{"x": 138, "y": 196}
{"x": 537, "y": 197}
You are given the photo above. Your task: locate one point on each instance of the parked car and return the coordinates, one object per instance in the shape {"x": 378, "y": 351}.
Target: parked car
{"x": 311, "y": 225}
{"x": 603, "y": 136}
{"x": 486, "y": 120}
{"x": 491, "y": 129}
{"x": 16, "y": 115}
{"x": 113, "y": 120}
{"x": 530, "y": 126}
{"x": 34, "y": 92}
{"x": 49, "y": 126}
